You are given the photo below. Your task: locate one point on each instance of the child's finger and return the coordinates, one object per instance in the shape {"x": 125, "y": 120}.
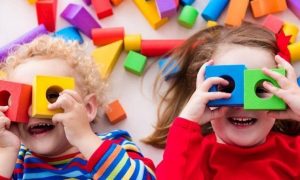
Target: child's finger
{"x": 58, "y": 118}
{"x": 201, "y": 72}
{"x": 216, "y": 95}
{"x": 274, "y": 90}
{"x": 73, "y": 94}
{"x": 281, "y": 79}
{"x": 208, "y": 83}
{"x": 3, "y": 108}
{"x": 291, "y": 74}
{"x": 64, "y": 101}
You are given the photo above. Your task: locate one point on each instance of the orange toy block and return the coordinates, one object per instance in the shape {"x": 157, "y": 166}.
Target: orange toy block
{"x": 115, "y": 112}
{"x": 103, "y": 8}
{"x": 103, "y": 36}
{"x": 264, "y": 7}
{"x": 236, "y": 12}
{"x": 46, "y": 13}
{"x": 115, "y": 2}
{"x": 18, "y": 97}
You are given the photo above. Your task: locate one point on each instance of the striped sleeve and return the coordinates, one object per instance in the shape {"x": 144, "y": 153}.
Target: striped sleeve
{"x": 119, "y": 158}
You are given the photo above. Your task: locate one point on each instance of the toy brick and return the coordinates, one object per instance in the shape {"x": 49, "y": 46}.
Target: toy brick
{"x": 46, "y": 90}
{"x": 214, "y": 9}
{"x": 87, "y": 2}
{"x": 103, "y": 36}
{"x": 26, "y": 38}
{"x": 115, "y": 112}
{"x": 236, "y": 12}
{"x": 294, "y": 51}
{"x": 79, "y": 17}
{"x": 292, "y": 30}
{"x": 152, "y": 48}
{"x": 149, "y": 10}
{"x": 18, "y": 97}
{"x": 298, "y": 81}
{"x": 103, "y": 8}
{"x": 135, "y": 63}
{"x": 273, "y": 23}
{"x": 133, "y": 42}
{"x": 32, "y": 1}
{"x": 69, "y": 34}
{"x": 235, "y": 75}
{"x": 116, "y": 2}
{"x": 187, "y": 2}
{"x": 188, "y": 16}
{"x": 294, "y": 6}
{"x": 264, "y": 7}
{"x": 46, "y": 13}
{"x": 211, "y": 23}
{"x": 168, "y": 68}
{"x": 107, "y": 56}
{"x": 253, "y": 78}
{"x": 166, "y": 8}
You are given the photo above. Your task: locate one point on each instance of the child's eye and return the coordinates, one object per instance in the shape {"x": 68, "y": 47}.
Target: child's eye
{"x": 262, "y": 92}
{"x": 52, "y": 96}
{"x": 228, "y": 89}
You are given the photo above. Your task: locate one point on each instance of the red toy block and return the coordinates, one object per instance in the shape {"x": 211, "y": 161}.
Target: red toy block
{"x": 273, "y": 23}
{"x": 46, "y": 13}
{"x": 115, "y": 112}
{"x": 264, "y": 7}
{"x": 18, "y": 97}
{"x": 115, "y": 2}
{"x": 103, "y": 36}
{"x": 103, "y": 8}
{"x": 151, "y": 48}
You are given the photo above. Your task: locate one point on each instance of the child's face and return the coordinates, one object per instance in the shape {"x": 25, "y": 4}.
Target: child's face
{"x": 41, "y": 135}
{"x": 238, "y": 126}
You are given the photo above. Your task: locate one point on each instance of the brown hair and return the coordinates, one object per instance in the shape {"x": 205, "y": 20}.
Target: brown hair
{"x": 197, "y": 50}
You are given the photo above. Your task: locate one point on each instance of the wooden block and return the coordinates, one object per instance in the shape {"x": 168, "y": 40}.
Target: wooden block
{"x": 115, "y": 112}
{"x": 188, "y": 16}
{"x": 87, "y": 2}
{"x": 235, "y": 75}
{"x": 168, "y": 67}
{"x": 294, "y": 6}
{"x": 265, "y": 7}
{"x": 103, "y": 36}
{"x": 103, "y": 8}
{"x": 149, "y": 10}
{"x": 116, "y": 2}
{"x": 46, "y": 13}
{"x": 292, "y": 30}
{"x": 166, "y": 8}
{"x": 132, "y": 42}
{"x": 273, "y": 23}
{"x": 214, "y": 9}
{"x": 236, "y": 12}
{"x": 32, "y": 1}
{"x": 79, "y": 17}
{"x": 294, "y": 50}
{"x": 135, "y": 63}
{"x": 152, "y": 48}
{"x": 46, "y": 90}
{"x": 253, "y": 78}
{"x": 107, "y": 56}
{"x": 18, "y": 97}
{"x": 211, "y": 23}
{"x": 69, "y": 34}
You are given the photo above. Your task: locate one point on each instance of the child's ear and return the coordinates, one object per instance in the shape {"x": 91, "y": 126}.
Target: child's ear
{"x": 91, "y": 106}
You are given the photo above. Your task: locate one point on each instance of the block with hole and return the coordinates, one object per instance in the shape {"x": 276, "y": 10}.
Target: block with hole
{"x": 214, "y": 9}
{"x": 115, "y": 112}
{"x": 133, "y": 42}
{"x": 104, "y": 36}
{"x": 69, "y": 34}
{"x": 135, "y": 63}
{"x": 188, "y": 16}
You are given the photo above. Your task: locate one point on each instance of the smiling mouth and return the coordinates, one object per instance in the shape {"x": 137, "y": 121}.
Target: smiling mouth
{"x": 40, "y": 128}
{"x": 242, "y": 121}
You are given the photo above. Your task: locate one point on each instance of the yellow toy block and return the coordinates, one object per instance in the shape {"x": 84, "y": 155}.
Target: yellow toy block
{"x": 294, "y": 50}
{"x": 290, "y": 29}
{"x": 45, "y": 90}
{"x": 132, "y": 42}
{"x": 149, "y": 10}
{"x": 32, "y": 1}
{"x": 107, "y": 56}
{"x": 211, "y": 23}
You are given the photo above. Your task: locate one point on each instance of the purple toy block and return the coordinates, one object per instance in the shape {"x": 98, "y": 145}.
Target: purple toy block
{"x": 87, "y": 2}
{"x": 166, "y": 8}
{"x": 294, "y": 5}
{"x": 79, "y": 17}
{"x": 26, "y": 38}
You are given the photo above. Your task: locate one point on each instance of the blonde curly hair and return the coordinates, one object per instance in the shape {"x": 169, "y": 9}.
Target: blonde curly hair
{"x": 70, "y": 51}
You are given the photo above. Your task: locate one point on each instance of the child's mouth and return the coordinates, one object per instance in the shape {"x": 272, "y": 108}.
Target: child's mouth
{"x": 242, "y": 121}
{"x": 39, "y": 128}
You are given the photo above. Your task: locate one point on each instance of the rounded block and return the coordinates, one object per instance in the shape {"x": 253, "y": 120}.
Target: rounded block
{"x": 188, "y": 16}
{"x": 211, "y": 23}
{"x": 103, "y": 36}
{"x": 214, "y": 9}
{"x": 133, "y": 42}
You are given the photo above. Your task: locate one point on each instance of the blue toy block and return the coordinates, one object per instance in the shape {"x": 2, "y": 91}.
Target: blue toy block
{"x": 235, "y": 75}
{"x": 186, "y": 2}
{"x": 69, "y": 33}
{"x": 214, "y": 9}
{"x": 169, "y": 69}
{"x": 298, "y": 81}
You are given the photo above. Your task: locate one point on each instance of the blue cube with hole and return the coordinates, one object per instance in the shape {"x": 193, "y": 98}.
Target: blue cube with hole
{"x": 168, "y": 67}
{"x": 234, "y": 74}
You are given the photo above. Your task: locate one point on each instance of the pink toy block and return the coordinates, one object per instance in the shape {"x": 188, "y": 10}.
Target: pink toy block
{"x": 294, "y": 6}
{"x": 103, "y": 8}
{"x": 46, "y": 13}
{"x": 273, "y": 23}
{"x": 166, "y": 8}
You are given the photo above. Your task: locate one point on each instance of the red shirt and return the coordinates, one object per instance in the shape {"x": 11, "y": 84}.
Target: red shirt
{"x": 189, "y": 155}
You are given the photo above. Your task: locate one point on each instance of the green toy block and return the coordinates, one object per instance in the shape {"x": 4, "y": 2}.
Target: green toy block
{"x": 188, "y": 16}
{"x": 135, "y": 63}
{"x": 252, "y": 79}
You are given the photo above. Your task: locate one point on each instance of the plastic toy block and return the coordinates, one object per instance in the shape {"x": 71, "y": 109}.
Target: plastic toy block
{"x": 214, "y": 9}
{"x": 187, "y": 2}
{"x": 115, "y": 112}
{"x": 45, "y": 90}
{"x": 87, "y": 2}
{"x": 46, "y": 13}
{"x": 166, "y": 8}
{"x": 135, "y": 63}
{"x": 152, "y": 48}
{"x": 298, "y": 81}
{"x": 103, "y": 36}
{"x": 294, "y": 6}
{"x": 103, "y": 8}
{"x": 133, "y": 42}
{"x": 69, "y": 34}
{"x": 149, "y": 10}
{"x": 188, "y": 16}
{"x": 290, "y": 29}
{"x": 236, "y": 12}
{"x": 79, "y": 17}
{"x": 264, "y": 7}
{"x": 32, "y": 1}
{"x": 116, "y": 2}
{"x": 168, "y": 68}
{"x": 294, "y": 51}
{"x": 273, "y": 23}
{"x": 253, "y": 78}
{"x": 107, "y": 56}
{"x": 211, "y": 23}
{"x": 26, "y": 38}
{"x": 233, "y": 74}
{"x": 177, "y": 3}
{"x": 18, "y": 97}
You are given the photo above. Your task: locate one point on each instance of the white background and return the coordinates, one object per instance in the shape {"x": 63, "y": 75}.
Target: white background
{"x": 134, "y": 92}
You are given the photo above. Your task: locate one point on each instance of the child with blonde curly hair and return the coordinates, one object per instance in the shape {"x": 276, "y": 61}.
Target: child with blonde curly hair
{"x": 65, "y": 146}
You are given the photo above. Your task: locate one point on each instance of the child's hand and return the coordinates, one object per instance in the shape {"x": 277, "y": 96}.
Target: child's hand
{"x": 289, "y": 90}
{"x": 196, "y": 108}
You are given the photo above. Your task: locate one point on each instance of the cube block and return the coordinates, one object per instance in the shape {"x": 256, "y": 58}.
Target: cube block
{"x": 135, "y": 63}
{"x": 115, "y": 112}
